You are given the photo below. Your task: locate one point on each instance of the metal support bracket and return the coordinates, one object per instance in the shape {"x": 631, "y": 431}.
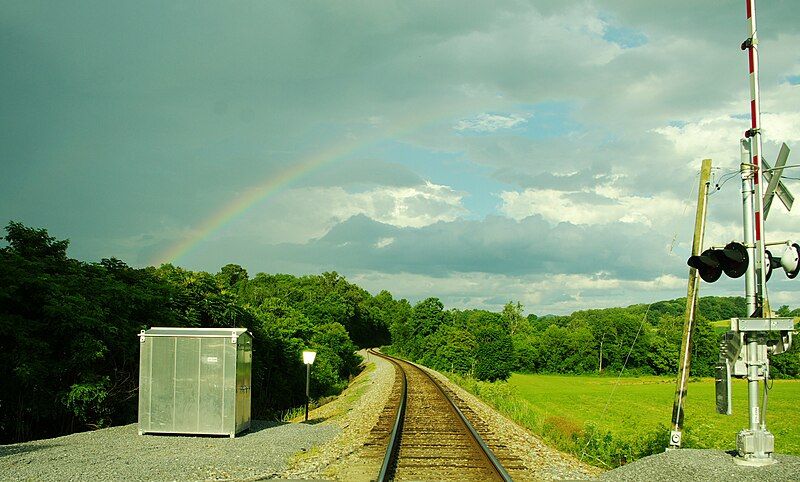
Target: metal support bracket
{"x": 762, "y": 324}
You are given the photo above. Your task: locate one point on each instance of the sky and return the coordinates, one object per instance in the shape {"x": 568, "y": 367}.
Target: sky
{"x": 545, "y": 152}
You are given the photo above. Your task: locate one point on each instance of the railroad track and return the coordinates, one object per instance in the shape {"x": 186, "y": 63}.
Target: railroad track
{"x": 424, "y": 435}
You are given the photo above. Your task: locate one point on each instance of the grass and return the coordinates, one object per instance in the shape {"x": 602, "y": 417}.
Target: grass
{"x": 621, "y": 420}
{"x": 335, "y": 406}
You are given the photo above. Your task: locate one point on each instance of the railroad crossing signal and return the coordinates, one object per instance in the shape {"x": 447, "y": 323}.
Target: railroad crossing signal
{"x": 733, "y": 260}
{"x": 711, "y": 263}
{"x": 746, "y": 347}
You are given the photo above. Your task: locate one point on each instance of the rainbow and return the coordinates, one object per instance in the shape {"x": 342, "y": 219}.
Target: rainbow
{"x": 254, "y": 195}
{"x": 275, "y": 183}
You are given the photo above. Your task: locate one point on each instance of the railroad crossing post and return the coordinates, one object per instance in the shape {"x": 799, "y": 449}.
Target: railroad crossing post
{"x": 745, "y": 349}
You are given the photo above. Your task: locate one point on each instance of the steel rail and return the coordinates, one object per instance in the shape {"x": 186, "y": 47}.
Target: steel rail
{"x": 498, "y": 467}
{"x": 397, "y": 430}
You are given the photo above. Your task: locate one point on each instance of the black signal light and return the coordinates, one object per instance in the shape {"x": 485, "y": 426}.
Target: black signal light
{"x": 711, "y": 263}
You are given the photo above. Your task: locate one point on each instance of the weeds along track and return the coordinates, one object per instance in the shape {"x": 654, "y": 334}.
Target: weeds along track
{"x": 423, "y": 434}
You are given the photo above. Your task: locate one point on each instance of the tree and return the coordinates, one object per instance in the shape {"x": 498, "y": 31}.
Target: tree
{"x": 450, "y": 349}
{"x": 34, "y": 244}
{"x": 494, "y": 356}
{"x": 426, "y": 317}
{"x": 230, "y": 275}
{"x": 513, "y": 320}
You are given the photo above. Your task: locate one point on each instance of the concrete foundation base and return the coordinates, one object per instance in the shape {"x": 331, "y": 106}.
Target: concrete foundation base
{"x": 754, "y": 462}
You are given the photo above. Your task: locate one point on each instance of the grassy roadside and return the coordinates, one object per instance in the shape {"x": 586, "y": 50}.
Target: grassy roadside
{"x": 335, "y": 406}
{"x": 610, "y": 422}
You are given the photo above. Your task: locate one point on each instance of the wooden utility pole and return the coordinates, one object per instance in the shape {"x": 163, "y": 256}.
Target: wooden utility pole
{"x": 691, "y": 308}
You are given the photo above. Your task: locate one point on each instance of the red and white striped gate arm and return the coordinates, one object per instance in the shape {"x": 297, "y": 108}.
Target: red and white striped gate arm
{"x": 754, "y": 132}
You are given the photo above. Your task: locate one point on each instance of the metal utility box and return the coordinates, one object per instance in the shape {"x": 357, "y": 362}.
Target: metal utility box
{"x": 194, "y": 380}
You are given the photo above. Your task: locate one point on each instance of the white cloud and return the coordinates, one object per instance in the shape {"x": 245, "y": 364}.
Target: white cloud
{"x": 384, "y": 242}
{"x": 715, "y": 134}
{"x": 782, "y": 126}
{"x": 707, "y": 138}
{"x": 299, "y": 215}
{"x": 602, "y": 205}
{"x": 556, "y": 294}
{"x": 403, "y": 207}
{"x": 489, "y": 122}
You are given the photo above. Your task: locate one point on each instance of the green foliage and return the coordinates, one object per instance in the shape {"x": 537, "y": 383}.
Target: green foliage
{"x": 636, "y": 340}
{"x": 604, "y": 449}
{"x": 69, "y": 356}
{"x": 609, "y": 421}
{"x": 88, "y": 402}
{"x": 69, "y": 360}
{"x": 494, "y": 357}
{"x": 785, "y": 365}
{"x": 451, "y": 348}
{"x": 471, "y": 341}
{"x": 326, "y": 298}
{"x": 34, "y": 244}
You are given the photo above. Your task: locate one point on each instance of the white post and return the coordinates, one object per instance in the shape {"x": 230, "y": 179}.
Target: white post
{"x": 308, "y": 385}
{"x": 754, "y": 133}
{"x": 755, "y": 444}
{"x": 308, "y": 359}
{"x": 747, "y": 223}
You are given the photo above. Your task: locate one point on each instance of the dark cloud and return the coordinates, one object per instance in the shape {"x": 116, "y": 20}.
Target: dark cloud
{"x": 494, "y": 245}
{"x": 129, "y": 119}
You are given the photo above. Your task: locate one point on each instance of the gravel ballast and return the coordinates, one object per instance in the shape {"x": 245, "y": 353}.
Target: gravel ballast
{"x": 328, "y": 448}
{"x": 267, "y": 451}
{"x": 703, "y": 465}
{"x": 355, "y": 412}
{"x": 120, "y": 453}
{"x": 542, "y": 461}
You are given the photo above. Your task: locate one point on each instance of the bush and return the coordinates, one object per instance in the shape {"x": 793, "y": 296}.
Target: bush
{"x": 494, "y": 357}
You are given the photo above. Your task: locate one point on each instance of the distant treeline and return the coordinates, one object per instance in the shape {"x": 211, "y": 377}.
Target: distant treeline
{"x": 69, "y": 353}
{"x": 644, "y": 339}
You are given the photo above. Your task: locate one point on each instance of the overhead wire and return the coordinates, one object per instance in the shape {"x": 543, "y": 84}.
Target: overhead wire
{"x": 717, "y": 186}
{"x": 723, "y": 179}
{"x": 659, "y": 281}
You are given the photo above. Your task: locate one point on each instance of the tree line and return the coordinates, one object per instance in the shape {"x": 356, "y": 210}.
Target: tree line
{"x": 69, "y": 352}
{"x": 642, "y": 339}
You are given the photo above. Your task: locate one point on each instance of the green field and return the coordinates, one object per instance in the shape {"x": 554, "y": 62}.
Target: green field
{"x": 627, "y": 418}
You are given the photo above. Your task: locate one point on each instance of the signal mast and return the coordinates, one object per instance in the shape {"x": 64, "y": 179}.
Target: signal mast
{"x": 745, "y": 349}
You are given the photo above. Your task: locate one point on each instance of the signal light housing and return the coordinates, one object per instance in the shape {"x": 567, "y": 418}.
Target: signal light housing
{"x": 789, "y": 261}
{"x": 771, "y": 263}
{"x": 707, "y": 265}
{"x": 736, "y": 260}
{"x": 733, "y": 260}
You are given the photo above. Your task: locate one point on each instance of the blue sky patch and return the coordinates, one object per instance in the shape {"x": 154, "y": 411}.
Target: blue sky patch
{"x": 625, "y": 37}
{"x": 549, "y": 120}
{"x": 449, "y": 169}
{"x": 545, "y": 120}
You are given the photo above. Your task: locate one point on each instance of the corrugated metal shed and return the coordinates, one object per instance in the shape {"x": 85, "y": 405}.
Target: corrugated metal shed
{"x": 195, "y": 380}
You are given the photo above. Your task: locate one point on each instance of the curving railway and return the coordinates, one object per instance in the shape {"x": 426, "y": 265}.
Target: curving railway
{"x": 424, "y": 435}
